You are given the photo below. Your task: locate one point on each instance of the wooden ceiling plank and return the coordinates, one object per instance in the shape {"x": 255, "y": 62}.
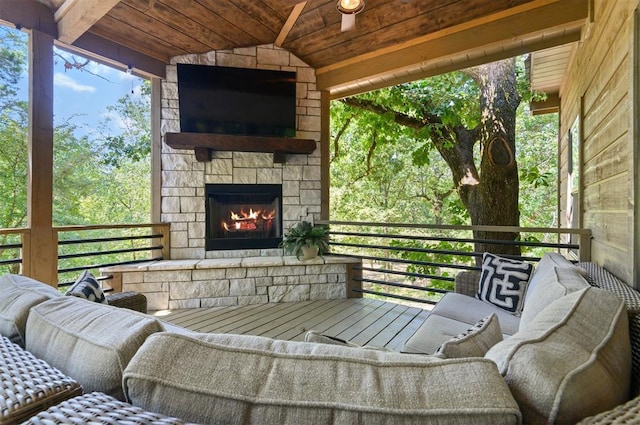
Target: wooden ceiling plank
{"x": 529, "y": 18}
{"x": 384, "y": 25}
{"x": 157, "y": 28}
{"x": 75, "y": 17}
{"x": 224, "y": 29}
{"x": 240, "y": 19}
{"x": 165, "y": 13}
{"x": 291, "y": 21}
{"x": 144, "y": 43}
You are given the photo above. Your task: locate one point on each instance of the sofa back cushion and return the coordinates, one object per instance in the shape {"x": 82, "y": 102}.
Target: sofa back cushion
{"x": 572, "y": 360}
{"x": 557, "y": 282}
{"x": 90, "y": 342}
{"x": 238, "y": 379}
{"x": 17, "y": 295}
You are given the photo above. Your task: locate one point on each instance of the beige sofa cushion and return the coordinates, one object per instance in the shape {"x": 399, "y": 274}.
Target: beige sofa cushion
{"x": 558, "y": 282}
{"x": 17, "y": 295}
{"x": 236, "y": 379}
{"x": 572, "y": 360}
{"x": 453, "y": 315}
{"x": 475, "y": 341}
{"x": 88, "y": 341}
{"x": 544, "y": 270}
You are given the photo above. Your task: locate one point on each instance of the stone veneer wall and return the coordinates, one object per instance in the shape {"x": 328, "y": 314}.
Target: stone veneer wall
{"x": 183, "y": 178}
{"x": 178, "y": 284}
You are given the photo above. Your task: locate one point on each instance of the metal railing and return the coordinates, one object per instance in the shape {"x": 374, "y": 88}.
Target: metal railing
{"x": 419, "y": 263}
{"x": 12, "y": 242}
{"x": 93, "y": 247}
{"x": 88, "y": 247}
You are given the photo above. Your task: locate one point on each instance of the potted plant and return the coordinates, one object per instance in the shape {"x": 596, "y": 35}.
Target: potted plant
{"x": 305, "y": 240}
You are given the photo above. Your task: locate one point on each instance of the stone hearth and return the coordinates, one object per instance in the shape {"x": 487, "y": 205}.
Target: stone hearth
{"x": 178, "y": 284}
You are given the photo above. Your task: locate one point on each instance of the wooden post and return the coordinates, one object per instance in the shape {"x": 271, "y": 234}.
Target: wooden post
{"x": 43, "y": 255}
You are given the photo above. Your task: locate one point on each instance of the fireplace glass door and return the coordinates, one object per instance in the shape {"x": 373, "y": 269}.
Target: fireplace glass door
{"x": 243, "y": 216}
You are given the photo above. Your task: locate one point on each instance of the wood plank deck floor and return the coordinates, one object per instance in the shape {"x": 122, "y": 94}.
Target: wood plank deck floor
{"x": 364, "y": 321}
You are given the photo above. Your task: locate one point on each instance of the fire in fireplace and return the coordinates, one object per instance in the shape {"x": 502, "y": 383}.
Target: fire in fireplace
{"x": 243, "y": 216}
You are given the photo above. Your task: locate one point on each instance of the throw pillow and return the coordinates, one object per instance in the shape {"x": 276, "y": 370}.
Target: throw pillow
{"x": 87, "y": 287}
{"x": 476, "y": 341}
{"x": 503, "y": 282}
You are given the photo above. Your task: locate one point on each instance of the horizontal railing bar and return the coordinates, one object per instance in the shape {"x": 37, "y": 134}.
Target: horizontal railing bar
{"x": 98, "y": 278}
{"x": 113, "y": 251}
{"x": 114, "y": 239}
{"x": 428, "y": 251}
{"x": 11, "y": 246}
{"x": 97, "y": 266}
{"x": 11, "y": 261}
{"x": 402, "y": 285}
{"x": 14, "y": 231}
{"x": 505, "y": 229}
{"x": 422, "y": 263}
{"x": 407, "y": 249}
{"x": 464, "y": 240}
{"x": 76, "y": 228}
{"x": 411, "y": 274}
{"x": 400, "y": 297}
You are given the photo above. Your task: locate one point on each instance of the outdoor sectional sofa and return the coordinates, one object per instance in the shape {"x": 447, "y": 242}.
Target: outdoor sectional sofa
{"x": 568, "y": 357}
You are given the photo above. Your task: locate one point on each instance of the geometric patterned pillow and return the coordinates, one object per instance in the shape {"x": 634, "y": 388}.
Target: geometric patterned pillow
{"x": 475, "y": 342}
{"x": 87, "y": 287}
{"x": 503, "y": 282}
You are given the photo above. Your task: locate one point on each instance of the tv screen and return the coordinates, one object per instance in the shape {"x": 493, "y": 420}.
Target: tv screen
{"x": 223, "y": 100}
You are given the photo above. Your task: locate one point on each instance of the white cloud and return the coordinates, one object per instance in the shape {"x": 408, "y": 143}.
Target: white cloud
{"x": 63, "y": 80}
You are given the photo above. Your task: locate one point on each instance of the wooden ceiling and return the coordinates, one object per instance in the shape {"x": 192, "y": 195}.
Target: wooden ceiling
{"x": 394, "y": 40}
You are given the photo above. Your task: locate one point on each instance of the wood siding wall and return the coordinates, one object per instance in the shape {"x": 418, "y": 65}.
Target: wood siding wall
{"x": 599, "y": 91}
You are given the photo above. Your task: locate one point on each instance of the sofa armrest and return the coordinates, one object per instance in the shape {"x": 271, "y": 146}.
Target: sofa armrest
{"x": 130, "y": 299}
{"x": 623, "y": 414}
{"x": 467, "y": 283}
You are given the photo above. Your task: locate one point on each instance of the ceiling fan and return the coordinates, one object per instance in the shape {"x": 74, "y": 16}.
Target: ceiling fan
{"x": 349, "y": 9}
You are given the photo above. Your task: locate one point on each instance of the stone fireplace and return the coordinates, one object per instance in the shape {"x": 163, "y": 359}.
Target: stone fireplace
{"x": 212, "y": 267}
{"x": 186, "y": 176}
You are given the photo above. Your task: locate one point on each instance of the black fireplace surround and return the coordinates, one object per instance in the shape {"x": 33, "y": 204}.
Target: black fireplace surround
{"x": 243, "y": 216}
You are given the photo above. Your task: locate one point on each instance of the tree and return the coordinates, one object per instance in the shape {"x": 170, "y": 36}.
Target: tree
{"x": 455, "y": 114}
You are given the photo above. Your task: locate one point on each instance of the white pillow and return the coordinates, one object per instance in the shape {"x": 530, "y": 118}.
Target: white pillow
{"x": 503, "y": 282}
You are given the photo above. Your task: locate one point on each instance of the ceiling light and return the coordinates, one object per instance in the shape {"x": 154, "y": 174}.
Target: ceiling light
{"x": 349, "y": 8}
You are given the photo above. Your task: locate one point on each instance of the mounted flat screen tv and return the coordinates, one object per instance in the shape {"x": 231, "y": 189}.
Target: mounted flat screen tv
{"x": 239, "y": 101}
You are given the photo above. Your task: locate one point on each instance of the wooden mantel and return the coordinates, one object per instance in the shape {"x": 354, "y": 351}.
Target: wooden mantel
{"x": 204, "y": 143}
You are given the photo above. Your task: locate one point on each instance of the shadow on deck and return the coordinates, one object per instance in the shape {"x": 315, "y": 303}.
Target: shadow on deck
{"x": 363, "y": 321}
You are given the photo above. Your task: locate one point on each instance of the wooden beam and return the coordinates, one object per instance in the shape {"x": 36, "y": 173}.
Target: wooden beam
{"x": 43, "y": 256}
{"x": 437, "y": 68}
{"x": 549, "y": 105}
{"x": 517, "y": 22}
{"x": 75, "y": 17}
{"x": 112, "y": 54}
{"x": 288, "y": 25}
{"x": 229, "y": 142}
{"x": 28, "y": 14}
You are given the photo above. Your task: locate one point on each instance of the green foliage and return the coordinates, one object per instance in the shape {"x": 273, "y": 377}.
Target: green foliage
{"x": 305, "y": 234}
{"x": 134, "y": 142}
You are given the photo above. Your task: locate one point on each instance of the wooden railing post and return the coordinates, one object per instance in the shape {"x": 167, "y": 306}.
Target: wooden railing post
{"x": 584, "y": 240}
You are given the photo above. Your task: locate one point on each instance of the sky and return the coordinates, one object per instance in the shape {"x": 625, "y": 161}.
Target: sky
{"x": 82, "y": 95}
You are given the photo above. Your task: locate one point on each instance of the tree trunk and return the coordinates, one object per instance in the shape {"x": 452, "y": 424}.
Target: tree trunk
{"x": 494, "y": 199}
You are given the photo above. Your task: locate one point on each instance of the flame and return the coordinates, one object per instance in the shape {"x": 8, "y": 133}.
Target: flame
{"x": 248, "y": 220}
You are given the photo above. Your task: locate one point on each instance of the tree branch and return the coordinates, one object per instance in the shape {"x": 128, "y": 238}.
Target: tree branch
{"x": 398, "y": 117}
